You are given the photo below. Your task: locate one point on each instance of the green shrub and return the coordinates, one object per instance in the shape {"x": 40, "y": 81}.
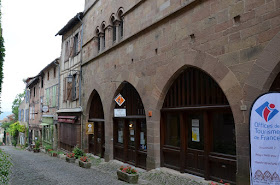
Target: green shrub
{"x": 48, "y": 147}
{"x": 37, "y": 144}
{"x": 78, "y": 152}
{"x": 5, "y": 164}
{"x": 14, "y": 142}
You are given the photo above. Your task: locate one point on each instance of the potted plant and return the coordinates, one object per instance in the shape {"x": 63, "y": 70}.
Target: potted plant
{"x": 53, "y": 153}
{"x": 128, "y": 175}
{"x": 70, "y": 158}
{"x": 84, "y": 162}
{"x": 37, "y": 147}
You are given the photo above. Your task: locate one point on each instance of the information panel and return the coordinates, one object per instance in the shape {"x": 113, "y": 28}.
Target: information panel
{"x": 265, "y": 140}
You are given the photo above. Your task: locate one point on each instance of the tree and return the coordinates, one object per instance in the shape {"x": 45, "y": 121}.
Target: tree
{"x": 2, "y": 55}
{"x": 16, "y": 104}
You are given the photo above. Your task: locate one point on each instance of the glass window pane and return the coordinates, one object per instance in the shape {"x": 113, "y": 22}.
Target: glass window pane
{"x": 120, "y": 131}
{"x": 224, "y": 133}
{"x": 131, "y": 133}
{"x": 172, "y": 129}
{"x": 143, "y": 135}
{"x": 195, "y": 131}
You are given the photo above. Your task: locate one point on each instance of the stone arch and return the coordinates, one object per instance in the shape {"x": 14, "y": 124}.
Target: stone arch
{"x": 264, "y": 70}
{"x": 211, "y": 66}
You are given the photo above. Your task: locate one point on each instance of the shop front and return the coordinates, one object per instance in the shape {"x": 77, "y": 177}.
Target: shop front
{"x": 47, "y": 130}
{"x": 69, "y": 131}
{"x": 197, "y": 128}
{"x": 130, "y": 129}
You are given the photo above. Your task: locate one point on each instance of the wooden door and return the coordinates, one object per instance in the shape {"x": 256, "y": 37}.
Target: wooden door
{"x": 195, "y": 143}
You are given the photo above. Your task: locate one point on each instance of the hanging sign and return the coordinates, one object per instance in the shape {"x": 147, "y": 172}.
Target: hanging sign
{"x": 90, "y": 128}
{"x": 265, "y": 140}
{"x": 119, "y": 100}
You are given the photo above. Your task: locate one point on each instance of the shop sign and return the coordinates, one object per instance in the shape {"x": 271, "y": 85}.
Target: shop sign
{"x": 119, "y": 112}
{"x": 119, "y": 100}
{"x": 45, "y": 108}
{"x": 90, "y": 128}
{"x": 265, "y": 140}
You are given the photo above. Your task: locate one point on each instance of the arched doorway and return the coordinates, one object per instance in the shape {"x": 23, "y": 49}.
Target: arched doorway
{"x": 130, "y": 130}
{"x": 197, "y": 128}
{"x": 96, "y": 140}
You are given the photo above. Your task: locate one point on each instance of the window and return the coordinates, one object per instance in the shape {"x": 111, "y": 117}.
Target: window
{"x": 114, "y": 33}
{"x": 53, "y": 96}
{"x": 34, "y": 92}
{"x": 54, "y": 72}
{"x": 47, "y": 96}
{"x": 42, "y": 82}
{"x": 99, "y": 48}
{"x": 172, "y": 130}
{"x": 48, "y": 75}
{"x": 76, "y": 44}
{"x": 26, "y": 115}
{"x": 67, "y": 49}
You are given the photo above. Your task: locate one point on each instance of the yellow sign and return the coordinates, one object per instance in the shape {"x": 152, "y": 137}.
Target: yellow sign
{"x": 119, "y": 100}
{"x": 90, "y": 128}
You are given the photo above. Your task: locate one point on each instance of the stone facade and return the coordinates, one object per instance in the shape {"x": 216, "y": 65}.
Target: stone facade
{"x": 234, "y": 42}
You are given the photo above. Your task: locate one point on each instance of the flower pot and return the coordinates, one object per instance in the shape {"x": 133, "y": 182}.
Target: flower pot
{"x": 84, "y": 164}
{"x": 36, "y": 150}
{"x": 129, "y": 178}
{"x": 70, "y": 160}
{"x": 54, "y": 154}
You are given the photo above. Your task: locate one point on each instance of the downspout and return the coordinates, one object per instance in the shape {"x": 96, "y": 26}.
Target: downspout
{"x": 80, "y": 79}
{"x": 58, "y": 83}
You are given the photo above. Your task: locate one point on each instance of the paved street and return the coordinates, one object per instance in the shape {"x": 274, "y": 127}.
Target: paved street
{"x": 40, "y": 169}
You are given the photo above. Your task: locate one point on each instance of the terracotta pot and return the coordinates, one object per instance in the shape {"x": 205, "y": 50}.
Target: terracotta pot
{"x": 70, "y": 160}
{"x": 129, "y": 178}
{"x": 84, "y": 164}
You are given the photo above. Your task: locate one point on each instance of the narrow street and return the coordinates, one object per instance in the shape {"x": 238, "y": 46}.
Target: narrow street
{"x": 40, "y": 169}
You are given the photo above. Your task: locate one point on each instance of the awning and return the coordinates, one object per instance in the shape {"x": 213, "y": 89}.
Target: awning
{"x": 67, "y": 119}
{"x": 44, "y": 124}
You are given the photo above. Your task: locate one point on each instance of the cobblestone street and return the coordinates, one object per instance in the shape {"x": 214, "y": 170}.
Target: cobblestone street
{"x": 34, "y": 169}
{"x": 41, "y": 169}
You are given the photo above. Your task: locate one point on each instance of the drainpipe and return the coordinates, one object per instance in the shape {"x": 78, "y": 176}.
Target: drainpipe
{"x": 80, "y": 79}
{"x": 58, "y": 83}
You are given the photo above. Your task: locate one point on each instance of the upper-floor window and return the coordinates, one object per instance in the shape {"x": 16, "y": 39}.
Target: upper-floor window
{"x": 42, "y": 82}
{"x": 71, "y": 88}
{"x": 48, "y": 75}
{"x": 34, "y": 91}
{"x": 117, "y": 24}
{"x": 54, "y": 72}
{"x": 67, "y": 50}
{"x": 76, "y": 44}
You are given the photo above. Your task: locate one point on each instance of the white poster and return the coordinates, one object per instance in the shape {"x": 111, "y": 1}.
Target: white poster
{"x": 195, "y": 134}
{"x": 195, "y": 122}
{"x": 265, "y": 140}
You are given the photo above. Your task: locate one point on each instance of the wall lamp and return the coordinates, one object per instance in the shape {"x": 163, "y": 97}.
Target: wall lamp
{"x": 70, "y": 75}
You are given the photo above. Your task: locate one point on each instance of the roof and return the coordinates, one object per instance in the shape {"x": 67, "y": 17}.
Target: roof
{"x": 74, "y": 21}
{"x": 35, "y": 79}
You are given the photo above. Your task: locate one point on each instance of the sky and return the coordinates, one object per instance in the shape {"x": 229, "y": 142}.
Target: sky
{"x": 29, "y": 29}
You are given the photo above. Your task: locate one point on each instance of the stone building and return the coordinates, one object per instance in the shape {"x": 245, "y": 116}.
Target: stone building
{"x": 50, "y": 103}
{"x": 70, "y": 111}
{"x": 23, "y": 118}
{"x": 170, "y": 83}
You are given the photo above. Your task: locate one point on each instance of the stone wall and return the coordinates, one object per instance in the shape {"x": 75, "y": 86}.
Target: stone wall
{"x": 235, "y": 42}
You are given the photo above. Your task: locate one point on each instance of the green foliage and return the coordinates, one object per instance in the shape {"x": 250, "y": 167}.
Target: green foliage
{"x": 37, "y": 144}
{"x": 48, "y": 147}
{"x": 78, "y": 152}
{"x": 14, "y": 142}
{"x": 17, "y": 101}
{"x": 15, "y": 128}
{"x": 2, "y": 55}
{"x": 5, "y": 164}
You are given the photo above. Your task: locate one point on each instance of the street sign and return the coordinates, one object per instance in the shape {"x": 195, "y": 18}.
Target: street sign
{"x": 119, "y": 100}
{"x": 45, "y": 108}
{"x": 265, "y": 140}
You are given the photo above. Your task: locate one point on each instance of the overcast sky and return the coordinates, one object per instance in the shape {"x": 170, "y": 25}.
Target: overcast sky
{"x": 29, "y": 29}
